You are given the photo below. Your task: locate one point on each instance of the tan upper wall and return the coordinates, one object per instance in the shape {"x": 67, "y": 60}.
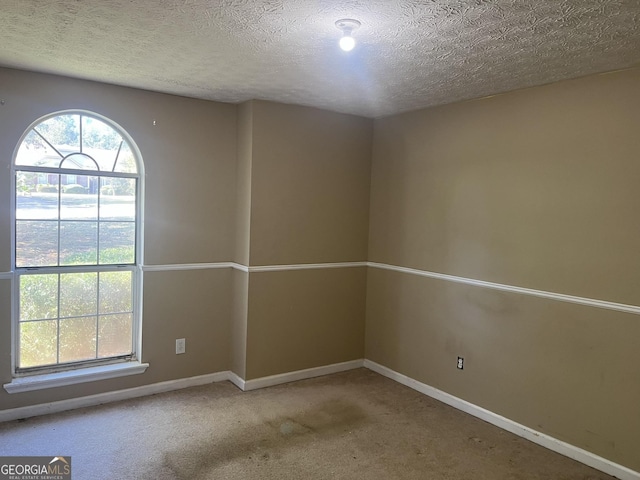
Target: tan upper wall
{"x": 243, "y": 183}
{"x": 189, "y": 158}
{"x": 310, "y": 185}
{"x": 535, "y": 188}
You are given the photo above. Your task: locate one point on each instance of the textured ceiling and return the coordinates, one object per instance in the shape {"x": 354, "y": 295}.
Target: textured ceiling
{"x": 410, "y": 54}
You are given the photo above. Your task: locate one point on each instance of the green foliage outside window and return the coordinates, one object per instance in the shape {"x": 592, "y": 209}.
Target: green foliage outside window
{"x": 91, "y": 325}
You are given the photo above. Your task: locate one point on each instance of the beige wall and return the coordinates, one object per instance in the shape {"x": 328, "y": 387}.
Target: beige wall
{"x": 243, "y": 232}
{"x": 309, "y": 195}
{"x": 243, "y": 182}
{"x": 310, "y": 185}
{"x": 190, "y": 162}
{"x": 195, "y": 305}
{"x": 303, "y": 319}
{"x": 239, "y": 323}
{"x": 281, "y": 183}
{"x": 536, "y": 188}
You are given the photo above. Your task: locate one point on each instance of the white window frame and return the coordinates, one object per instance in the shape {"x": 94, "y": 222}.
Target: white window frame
{"x": 62, "y": 375}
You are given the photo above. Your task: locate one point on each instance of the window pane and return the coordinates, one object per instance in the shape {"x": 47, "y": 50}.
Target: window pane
{"x": 65, "y": 217}
{"x": 78, "y": 161}
{"x": 126, "y": 161}
{"x": 36, "y": 243}
{"x": 76, "y": 202}
{"x": 101, "y": 142}
{"x": 78, "y": 294}
{"x": 36, "y": 196}
{"x": 38, "y": 343}
{"x": 117, "y": 243}
{"x": 25, "y": 184}
{"x": 48, "y": 185}
{"x": 62, "y": 132}
{"x": 115, "y": 335}
{"x": 78, "y": 243}
{"x": 38, "y": 297}
{"x": 77, "y": 339}
{"x": 115, "y": 292}
{"x": 117, "y": 199}
{"x": 35, "y": 151}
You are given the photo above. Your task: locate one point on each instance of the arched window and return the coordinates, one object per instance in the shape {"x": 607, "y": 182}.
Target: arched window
{"x": 77, "y": 244}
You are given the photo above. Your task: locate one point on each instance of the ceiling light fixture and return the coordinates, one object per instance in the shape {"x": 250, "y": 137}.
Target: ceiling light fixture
{"x": 347, "y": 26}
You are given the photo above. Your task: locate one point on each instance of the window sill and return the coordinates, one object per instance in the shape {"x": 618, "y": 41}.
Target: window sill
{"x": 72, "y": 377}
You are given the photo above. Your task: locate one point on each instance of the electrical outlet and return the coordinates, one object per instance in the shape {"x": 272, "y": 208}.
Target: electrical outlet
{"x": 181, "y": 345}
{"x": 460, "y": 363}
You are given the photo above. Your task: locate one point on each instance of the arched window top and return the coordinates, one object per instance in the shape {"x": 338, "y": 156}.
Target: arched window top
{"x": 76, "y": 140}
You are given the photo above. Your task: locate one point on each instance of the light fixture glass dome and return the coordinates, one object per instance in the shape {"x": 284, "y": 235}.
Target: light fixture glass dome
{"x": 347, "y": 43}
{"x": 347, "y": 26}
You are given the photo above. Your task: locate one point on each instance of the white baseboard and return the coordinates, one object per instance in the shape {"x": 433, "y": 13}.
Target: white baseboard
{"x": 544, "y": 440}
{"x": 578, "y": 454}
{"x": 236, "y": 380}
{"x": 300, "y": 375}
{"x": 107, "y": 397}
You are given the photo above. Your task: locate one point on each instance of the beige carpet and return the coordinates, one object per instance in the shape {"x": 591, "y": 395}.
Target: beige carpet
{"x": 353, "y": 425}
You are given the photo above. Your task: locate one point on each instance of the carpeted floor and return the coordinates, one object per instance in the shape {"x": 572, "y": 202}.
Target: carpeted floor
{"x": 352, "y": 425}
